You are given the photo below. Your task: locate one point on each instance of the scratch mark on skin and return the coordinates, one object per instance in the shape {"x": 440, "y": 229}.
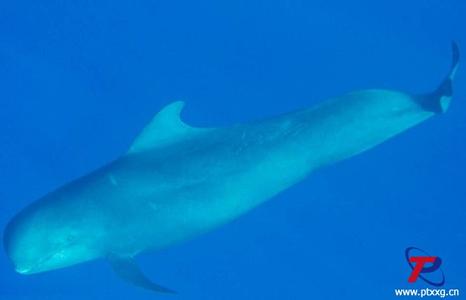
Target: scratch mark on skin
{"x": 113, "y": 180}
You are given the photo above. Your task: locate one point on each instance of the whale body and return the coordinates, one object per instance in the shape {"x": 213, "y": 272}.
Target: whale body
{"x": 177, "y": 182}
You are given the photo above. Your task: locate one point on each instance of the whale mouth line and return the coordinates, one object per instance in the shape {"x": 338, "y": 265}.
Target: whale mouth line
{"x": 30, "y": 269}
{"x": 36, "y": 268}
{"x": 23, "y": 271}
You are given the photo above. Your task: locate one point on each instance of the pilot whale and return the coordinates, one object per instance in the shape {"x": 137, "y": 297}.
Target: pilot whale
{"x": 176, "y": 181}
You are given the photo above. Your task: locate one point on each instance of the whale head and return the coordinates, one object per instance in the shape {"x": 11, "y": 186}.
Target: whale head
{"x": 38, "y": 239}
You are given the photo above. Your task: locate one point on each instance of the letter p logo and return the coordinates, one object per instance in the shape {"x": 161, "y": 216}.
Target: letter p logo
{"x": 418, "y": 265}
{"x": 419, "y": 262}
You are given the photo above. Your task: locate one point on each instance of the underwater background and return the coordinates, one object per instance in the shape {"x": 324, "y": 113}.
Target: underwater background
{"x": 80, "y": 79}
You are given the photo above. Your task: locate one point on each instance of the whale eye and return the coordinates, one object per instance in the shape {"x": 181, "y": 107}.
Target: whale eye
{"x": 70, "y": 238}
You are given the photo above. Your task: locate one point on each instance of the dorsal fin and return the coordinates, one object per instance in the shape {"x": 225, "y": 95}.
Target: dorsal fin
{"x": 165, "y": 128}
{"x": 439, "y": 100}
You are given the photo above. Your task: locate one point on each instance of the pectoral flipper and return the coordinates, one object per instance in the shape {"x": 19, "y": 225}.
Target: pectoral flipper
{"x": 127, "y": 269}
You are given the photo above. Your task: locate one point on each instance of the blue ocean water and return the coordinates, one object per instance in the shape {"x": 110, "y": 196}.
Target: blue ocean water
{"x": 80, "y": 79}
